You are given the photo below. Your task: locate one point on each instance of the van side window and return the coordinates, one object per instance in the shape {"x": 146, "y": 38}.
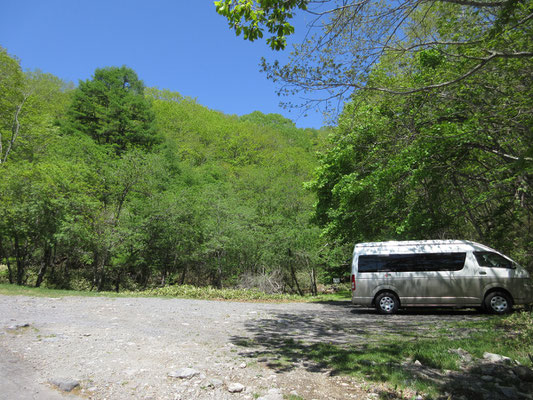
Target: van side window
{"x": 492, "y": 260}
{"x": 412, "y": 262}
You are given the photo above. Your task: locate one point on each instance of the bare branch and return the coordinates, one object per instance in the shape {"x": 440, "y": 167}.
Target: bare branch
{"x": 475, "y": 3}
{"x": 431, "y": 44}
{"x": 505, "y": 156}
{"x": 15, "y": 128}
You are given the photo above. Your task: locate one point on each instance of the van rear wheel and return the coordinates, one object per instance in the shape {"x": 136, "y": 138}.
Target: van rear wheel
{"x": 387, "y": 303}
{"x": 498, "y": 303}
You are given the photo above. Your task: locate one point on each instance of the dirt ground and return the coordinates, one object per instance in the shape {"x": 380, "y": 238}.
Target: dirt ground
{"x": 130, "y": 348}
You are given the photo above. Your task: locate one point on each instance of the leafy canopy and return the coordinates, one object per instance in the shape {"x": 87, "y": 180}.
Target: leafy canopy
{"x": 347, "y": 39}
{"x": 112, "y": 109}
{"x": 248, "y": 17}
{"x": 455, "y": 164}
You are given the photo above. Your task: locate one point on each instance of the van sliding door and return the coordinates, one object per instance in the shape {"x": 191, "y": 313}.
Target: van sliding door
{"x": 417, "y": 278}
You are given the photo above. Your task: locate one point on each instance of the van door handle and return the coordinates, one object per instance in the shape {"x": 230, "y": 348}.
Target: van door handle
{"x": 482, "y": 273}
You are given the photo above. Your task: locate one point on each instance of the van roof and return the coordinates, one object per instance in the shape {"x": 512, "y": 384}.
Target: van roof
{"x": 421, "y": 244}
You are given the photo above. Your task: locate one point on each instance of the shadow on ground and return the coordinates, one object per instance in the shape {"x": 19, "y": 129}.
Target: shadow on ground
{"x": 362, "y": 343}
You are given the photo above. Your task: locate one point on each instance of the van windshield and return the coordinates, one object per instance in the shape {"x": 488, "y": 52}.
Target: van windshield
{"x": 412, "y": 262}
{"x": 492, "y": 260}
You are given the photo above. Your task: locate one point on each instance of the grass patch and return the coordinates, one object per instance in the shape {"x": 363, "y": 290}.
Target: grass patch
{"x": 389, "y": 359}
{"x": 210, "y": 293}
{"x": 15, "y": 290}
{"x": 182, "y": 291}
{"x": 341, "y": 295}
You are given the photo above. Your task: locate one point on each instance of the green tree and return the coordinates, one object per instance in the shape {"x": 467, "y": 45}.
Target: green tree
{"x": 31, "y": 200}
{"x": 421, "y": 166}
{"x": 30, "y": 103}
{"x": 346, "y": 39}
{"x": 12, "y": 99}
{"x": 249, "y": 17}
{"x": 112, "y": 109}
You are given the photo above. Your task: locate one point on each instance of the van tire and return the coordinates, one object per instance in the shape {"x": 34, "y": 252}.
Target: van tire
{"x": 498, "y": 303}
{"x": 387, "y": 303}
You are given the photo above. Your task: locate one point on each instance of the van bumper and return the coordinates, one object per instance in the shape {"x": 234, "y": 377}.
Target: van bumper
{"x": 525, "y": 296}
{"x": 362, "y": 301}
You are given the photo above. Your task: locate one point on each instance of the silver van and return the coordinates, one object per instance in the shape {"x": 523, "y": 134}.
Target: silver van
{"x": 444, "y": 273}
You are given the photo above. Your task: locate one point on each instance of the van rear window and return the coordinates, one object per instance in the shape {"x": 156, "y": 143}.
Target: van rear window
{"x": 412, "y": 262}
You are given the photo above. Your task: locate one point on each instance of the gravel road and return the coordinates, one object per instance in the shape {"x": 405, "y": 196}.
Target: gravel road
{"x": 130, "y": 348}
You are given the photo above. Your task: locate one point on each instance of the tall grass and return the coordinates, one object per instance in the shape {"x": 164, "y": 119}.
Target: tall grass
{"x": 182, "y": 291}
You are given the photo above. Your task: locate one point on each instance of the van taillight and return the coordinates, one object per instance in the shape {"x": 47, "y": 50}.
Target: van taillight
{"x": 353, "y": 283}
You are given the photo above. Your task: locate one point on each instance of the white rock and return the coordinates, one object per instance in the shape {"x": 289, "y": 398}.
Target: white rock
{"x": 65, "y": 384}
{"x": 273, "y": 394}
{"x": 216, "y": 383}
{"x": 235, "y": 388}
{"x": 496, "y": 358}
{"x": 184, "y": 373}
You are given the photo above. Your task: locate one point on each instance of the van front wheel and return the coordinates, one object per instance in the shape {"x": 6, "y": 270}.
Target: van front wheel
{"x": 387, "y": 303}
{"x": 498, "y": 303}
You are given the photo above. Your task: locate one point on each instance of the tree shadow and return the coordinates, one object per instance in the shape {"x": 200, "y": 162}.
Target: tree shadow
{"x": 347, "y": 304}
{"x": 327, "y": 342}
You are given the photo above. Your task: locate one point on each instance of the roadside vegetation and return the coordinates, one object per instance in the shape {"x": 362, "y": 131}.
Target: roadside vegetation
{"x": 408, "y": 362}
{"x": 182, "y": 292}
{"x": 381, "y": 360}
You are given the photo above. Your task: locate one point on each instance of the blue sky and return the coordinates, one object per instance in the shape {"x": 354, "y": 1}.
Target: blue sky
{"x": 181, "y": 45}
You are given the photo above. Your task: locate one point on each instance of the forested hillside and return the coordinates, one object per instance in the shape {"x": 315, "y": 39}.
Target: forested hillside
{"x": 435, "y": 135}
{"x": 113, "y": 185}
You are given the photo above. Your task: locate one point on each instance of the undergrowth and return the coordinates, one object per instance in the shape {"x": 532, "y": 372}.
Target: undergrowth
{"x": 387, "y": 359}
{"x": 181, "y": 291}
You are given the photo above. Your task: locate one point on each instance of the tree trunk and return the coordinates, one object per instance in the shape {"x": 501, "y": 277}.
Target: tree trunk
{"x": 293, "y": 273}
{"x": 182, "y": 276}
{"x": 218, "y": 282}
{"x": 20, "y": 263}
{"x": 101, "y": 278}
{"x": 9, "y": 270}
{"x": 117, "y": 282}
{"x": 314, "y": 289}
{"x": 95, "y": 271}
{"x": 295, "y": 280}
{"x": 5, "y": 255}
{"x": 44, "y": 265}
{"x": 164, "y": 278}
{"x": 98, "y": 271}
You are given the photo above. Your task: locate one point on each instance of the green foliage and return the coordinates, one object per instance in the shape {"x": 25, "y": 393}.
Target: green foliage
{"x": 111, "y": 108}
{"x": 251, "y": 17}
{"x": 210, "y": 293}
{"x": 181, "y": 291}
{"x": 11, "y": 98}
{"x": 219, "y": 198}
{"x": 343, "y": 44}
{"x": 29, "y": 105}
{"x": 449, "y": 164}
{"x": 248, "y": 174}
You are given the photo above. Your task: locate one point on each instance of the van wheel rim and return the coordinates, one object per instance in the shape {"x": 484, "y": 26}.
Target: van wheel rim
{"x": 386, "y": 304}
{"x": 498, "y": 303}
